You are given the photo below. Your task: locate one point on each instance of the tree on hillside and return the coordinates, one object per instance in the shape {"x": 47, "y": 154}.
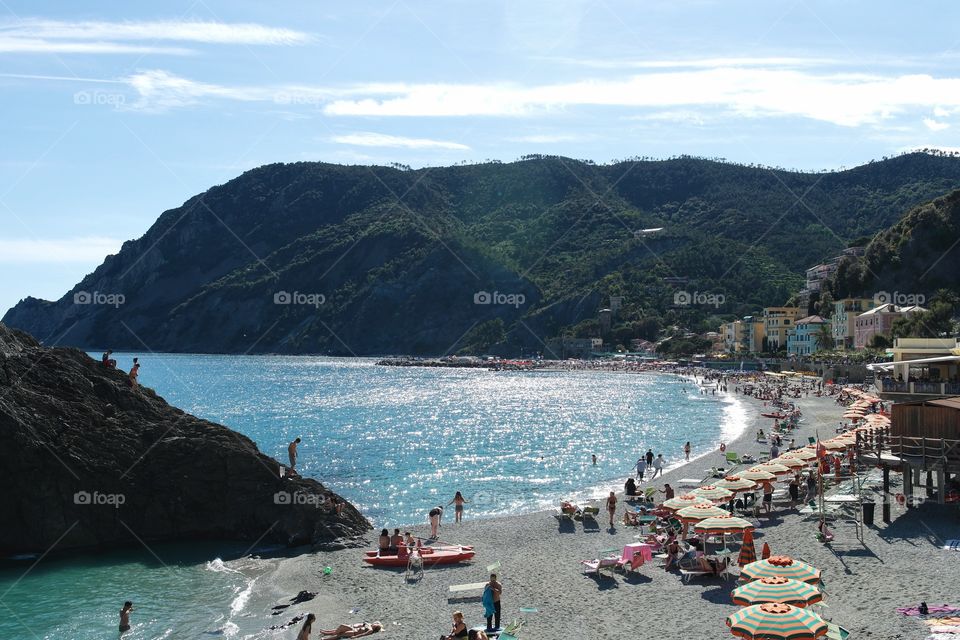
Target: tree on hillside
{"x": 824, "y": 337}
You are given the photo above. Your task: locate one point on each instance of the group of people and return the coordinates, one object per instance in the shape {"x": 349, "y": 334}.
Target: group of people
{"x": 111, "y": 363}
{"x": 390, "y": 544}
{"x": 491, "y": 606}
{"x": 649, "y": 461}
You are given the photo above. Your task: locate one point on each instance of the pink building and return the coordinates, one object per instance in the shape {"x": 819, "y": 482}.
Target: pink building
{"x": 878, "y": 321}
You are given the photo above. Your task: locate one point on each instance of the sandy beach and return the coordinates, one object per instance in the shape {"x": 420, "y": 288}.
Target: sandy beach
{"x": 899, "y": 564}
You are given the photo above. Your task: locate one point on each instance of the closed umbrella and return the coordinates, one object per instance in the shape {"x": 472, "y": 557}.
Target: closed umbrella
{"x": 687, "y": 500}
{"x": 776, "y": 589}
{"x": 775, "y": 621}
{"x": 783, "y": 566}
{"x": 765, "y": 551}
{"x": 748, "y": 552}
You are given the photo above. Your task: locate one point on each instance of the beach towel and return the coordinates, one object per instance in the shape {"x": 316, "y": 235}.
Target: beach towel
{"x": 915, "y": 611}
{"x": 487, "y": 600}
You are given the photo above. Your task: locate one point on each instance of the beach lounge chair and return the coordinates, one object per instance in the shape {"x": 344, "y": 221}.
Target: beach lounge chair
{"x": 590, "y": 512}
{"x": 697, "y": 566}
{"x": 732, "y": 458}
{"x": 596, "y": 566}
{"x": 567, "y": 510}
{"x": 630, "y": 562}
{"x": 836, "y": 632}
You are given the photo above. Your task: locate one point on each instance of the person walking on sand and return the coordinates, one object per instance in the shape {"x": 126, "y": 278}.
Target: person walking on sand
{"x": 657, "y": 466}
{"x": 125, "y": 616}
{"x": 612, "y": 506}
{"x": 491, "y": 603}
{"x": 134, "y": 373}
{"x": 292, "y": 452}
{"x": 307, "y": 627}
{"x": 767, "y": 496}
{"x": 641, "y": 468}
{"x": 458, "y": 502}
{"x": 649, "y": 456}
{"x": 686, "y": 451}
{"x": 435, "y": 516}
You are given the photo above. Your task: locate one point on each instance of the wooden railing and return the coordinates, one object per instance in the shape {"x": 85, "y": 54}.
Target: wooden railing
{"x": 935, "y": 451}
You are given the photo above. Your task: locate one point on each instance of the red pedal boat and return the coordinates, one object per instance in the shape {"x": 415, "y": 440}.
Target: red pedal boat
{"x": 778, "y": 416}
{"x": 430, "y": 555}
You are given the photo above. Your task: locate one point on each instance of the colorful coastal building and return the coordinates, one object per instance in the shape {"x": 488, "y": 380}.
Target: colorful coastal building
{"x": 878, "y": 321}
{"x": 806, "y": 336}
{"x": 777, "y": 321}
{"x": 920, "y": 366}
{"x": 844, "y": 319}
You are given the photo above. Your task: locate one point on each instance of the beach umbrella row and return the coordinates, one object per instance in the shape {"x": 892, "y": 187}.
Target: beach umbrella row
{"x": 780, "y": 566}
{"x": 776, "y": 589}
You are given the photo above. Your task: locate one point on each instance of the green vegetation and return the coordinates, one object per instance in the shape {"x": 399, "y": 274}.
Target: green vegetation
{"x": 399, "y": 254}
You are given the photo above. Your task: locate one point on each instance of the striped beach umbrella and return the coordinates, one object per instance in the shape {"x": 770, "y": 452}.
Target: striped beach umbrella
{"x": 687, "y": 500}
{"x": 699, "y": 512}
{"x": 783, "y": 566}
{"x": 748, "y": 552}
{"x": 775, "y": 621}
{"x": 757, "y": 475}
{"x": 776, "y": 589}
{"x": 834, "y": 444}
{"x": 774, "y": 468}
{"x": 789, "y": 461}
{"x": 713, "y": 493}
{"x": 804, "y": 453}
{"x": 735, "y": 484}
{"x": 722, "y": 525}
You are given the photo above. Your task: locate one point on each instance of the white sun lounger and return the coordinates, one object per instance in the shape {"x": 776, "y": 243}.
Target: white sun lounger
{"x": 472, "y": 586}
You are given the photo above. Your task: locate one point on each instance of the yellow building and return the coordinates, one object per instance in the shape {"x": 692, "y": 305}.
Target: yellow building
{"x": 744, "y": 335}
{"x": 777, "y": 321}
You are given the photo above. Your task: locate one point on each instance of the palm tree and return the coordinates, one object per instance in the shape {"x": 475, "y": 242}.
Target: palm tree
{"x": 824, "y": 337}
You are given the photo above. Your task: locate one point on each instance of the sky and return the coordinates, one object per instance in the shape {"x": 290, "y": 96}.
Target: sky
{"x": 111, "y": 113}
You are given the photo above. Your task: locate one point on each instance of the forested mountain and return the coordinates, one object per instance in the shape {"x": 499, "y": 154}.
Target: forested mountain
{"x": 322, "y": 258}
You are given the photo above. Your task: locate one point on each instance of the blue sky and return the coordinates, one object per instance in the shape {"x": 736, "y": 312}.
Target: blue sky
{"x": 114, "y": 112}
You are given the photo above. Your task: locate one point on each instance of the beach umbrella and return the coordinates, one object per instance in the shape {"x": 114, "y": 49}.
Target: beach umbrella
{"x": 735, "y": 484}
{"x": 687, "y": 500}
{"x": 804, "y": 453}
{"x": 774, "y": 468}
{"x": 723, "y": 525}
{"x": 834, "y": 444}
{"x": 710, "y": 492}
{"x": 776, "y": 589}
{"x": 789, "y": 461}
{"x": 765, "y": 552}
{"x": 748, "y": 552}
{"x": 699, "y": 512}
{"x": 783, "y": 566}
{"x": 775, "y": 621}
{"x": 757, "y": 475}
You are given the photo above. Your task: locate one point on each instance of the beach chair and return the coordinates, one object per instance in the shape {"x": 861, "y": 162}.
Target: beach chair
{"x": 836, "y": 632}
{"x": 590, "y": 512}
{"x": 596, "y": 566}
{"x": 697, "y": 566}
{"x": 732, "y": 458}
{"x": 811, "y": 440}
{"x": 630, "y": 562}
{"x": 567, "y": 511}
{"x": 414, "y": 565}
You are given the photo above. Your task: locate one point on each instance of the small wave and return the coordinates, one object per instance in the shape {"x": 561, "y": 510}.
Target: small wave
{"x": 240, "y": 602}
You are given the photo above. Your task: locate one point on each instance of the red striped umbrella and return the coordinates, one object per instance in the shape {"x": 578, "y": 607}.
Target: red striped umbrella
{"x": 765, "y": 552}
{"x": 699, "y": 512}
{"x": 783, "y": 566}
{"x": 775, "y": 621}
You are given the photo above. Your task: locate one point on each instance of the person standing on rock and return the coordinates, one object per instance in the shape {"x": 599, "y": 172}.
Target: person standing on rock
{"x": 292, "y": 452}
{"x": 134, "y": 372}
{"x": 125, "y": 616}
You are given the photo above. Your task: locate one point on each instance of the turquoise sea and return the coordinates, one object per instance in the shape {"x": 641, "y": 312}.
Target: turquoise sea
{"x": 393, "y": 440}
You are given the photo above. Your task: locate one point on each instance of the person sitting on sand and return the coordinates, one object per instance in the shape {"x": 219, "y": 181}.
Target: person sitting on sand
{"x": 125, "y": 616}
{"x": 384, "y": 542}
{"x": 358, "y": 630}
{"x": 307, "y": 627}
{"x": 459, "y": 629}
{"x": 630, "y": 487}
{"x": 668, "y": 492}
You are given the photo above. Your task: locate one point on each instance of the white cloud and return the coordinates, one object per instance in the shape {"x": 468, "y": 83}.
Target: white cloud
{"x": 34, "y": 35}
{"x": 696, "y": 63}
{"x": 934, "y": 125}
{"x": 151, "y": 30}
{"x": 370, "y": 139}
{"x": 57, "y": 250}
{"x": 547, "y": 138}
{"x": 35, "y": 45}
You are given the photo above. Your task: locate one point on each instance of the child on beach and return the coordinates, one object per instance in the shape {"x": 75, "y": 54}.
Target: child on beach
{"x": 125, "y": 616}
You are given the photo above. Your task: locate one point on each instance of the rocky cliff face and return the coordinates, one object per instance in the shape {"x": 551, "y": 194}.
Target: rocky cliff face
{"x": 89, "y": 461}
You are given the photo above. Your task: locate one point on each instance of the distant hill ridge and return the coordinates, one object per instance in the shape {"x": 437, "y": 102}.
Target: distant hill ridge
{"x": 357, "y": 260}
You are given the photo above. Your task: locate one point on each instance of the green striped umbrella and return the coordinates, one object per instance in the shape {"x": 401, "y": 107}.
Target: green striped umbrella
{"x": 783, "y": 566}
{"x": 788, "y": 460}
{"x": 748, "y": 552}
{"x": 684, "y": 501}
{"x": 757, "y": 475}
{"x": 723, "y": 525}
{"x": 774, "y": 468}
{"x": 710, "y": 492}
{"x": 735, "y": 484}
{"x": 776, "y": 589}
{"x": 775, "y": 621}
{"x": 699, "y": 512}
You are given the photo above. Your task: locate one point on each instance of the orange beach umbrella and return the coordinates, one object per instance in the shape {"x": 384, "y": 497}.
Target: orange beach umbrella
{"x": 775, "y": 621}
